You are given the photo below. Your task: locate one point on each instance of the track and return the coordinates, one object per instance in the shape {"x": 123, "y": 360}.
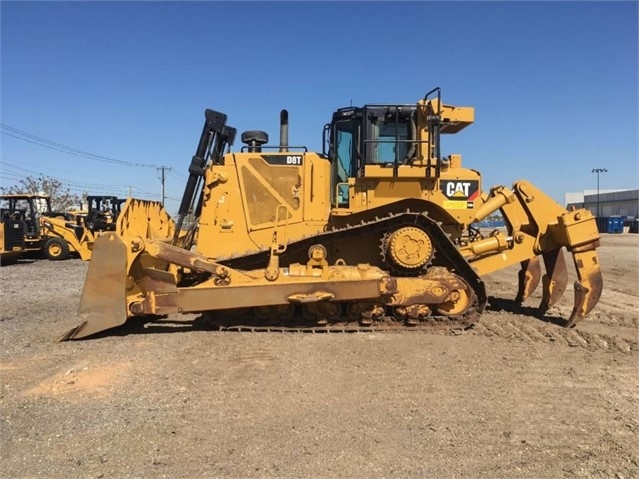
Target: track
{"x": 248, "y": 322}
{"x": 372, "y": 232}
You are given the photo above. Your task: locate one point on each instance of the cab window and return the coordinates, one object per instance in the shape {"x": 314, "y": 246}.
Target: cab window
{"x": 388, "y": 141}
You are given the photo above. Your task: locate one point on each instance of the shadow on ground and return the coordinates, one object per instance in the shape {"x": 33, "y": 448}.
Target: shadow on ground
{"x": 511, "y": 306}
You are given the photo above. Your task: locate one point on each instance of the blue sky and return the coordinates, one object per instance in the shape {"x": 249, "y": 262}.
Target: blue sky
{"x": 554, "y": 85}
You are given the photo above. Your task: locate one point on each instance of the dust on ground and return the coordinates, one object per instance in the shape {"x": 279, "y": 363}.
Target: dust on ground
{"x": 516, "y": 396}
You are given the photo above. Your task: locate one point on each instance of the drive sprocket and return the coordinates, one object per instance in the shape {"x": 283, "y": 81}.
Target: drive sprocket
{"x": 408, "y": 248}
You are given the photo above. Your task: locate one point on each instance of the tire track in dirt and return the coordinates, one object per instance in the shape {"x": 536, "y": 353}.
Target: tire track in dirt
{"x": 261, "y": 358}
{"x": 524, "y": 329}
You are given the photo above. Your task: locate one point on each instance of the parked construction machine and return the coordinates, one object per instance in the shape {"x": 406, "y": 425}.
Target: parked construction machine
{"x": 76, "y": 233}
{"x": 27, "y": 209}
{"x": 58, "y": 234}
{"x": 11, "y": 236}
{"x": 377, "y": 231}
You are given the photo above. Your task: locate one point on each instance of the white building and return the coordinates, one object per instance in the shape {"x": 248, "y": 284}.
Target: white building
{"x": 611, "y": 202}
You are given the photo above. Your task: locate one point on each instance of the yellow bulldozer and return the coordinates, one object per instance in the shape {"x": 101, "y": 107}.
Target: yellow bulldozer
{"x": 377, "y": 231}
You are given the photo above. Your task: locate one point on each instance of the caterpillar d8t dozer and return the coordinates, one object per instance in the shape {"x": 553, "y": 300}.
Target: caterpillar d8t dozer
{"x": 374, "y": 232}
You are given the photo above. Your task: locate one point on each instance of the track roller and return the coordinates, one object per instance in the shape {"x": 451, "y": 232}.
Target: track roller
{"x": 322, "y": 312}
{"x": 274, "y": 313}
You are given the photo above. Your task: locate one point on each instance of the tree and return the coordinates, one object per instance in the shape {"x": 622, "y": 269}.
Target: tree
{"x": 61, "y": 197}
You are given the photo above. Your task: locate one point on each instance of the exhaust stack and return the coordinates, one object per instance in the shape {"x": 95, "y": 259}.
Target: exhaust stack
{"x": 283, "y": 131}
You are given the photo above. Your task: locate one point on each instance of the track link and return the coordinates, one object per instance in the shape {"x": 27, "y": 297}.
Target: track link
{"x": 225, "y": 321}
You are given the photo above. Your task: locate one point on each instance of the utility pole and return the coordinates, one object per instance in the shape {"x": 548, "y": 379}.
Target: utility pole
{"x": 162, "y": 169}
{"x": 598, "y": 170}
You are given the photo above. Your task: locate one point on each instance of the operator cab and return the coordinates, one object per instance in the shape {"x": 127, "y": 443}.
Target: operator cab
{"x": 103, "y": 212}
{"x": 27, "y": 209}
{"x": 391, "y": 141}
{"x": 381, "y": 135}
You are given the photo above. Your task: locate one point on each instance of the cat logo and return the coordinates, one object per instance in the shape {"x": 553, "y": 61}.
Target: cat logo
{"x": 460, "y": 190}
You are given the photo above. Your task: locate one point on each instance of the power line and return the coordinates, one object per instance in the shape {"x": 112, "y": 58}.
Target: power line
{"x": 19, "y": 168}
{"x": 10, "y": 176}
{"x": 44, "y": 171}
{"x": 75, "y": 186}
{"x": 178, "y": 176}
{"x": 62, "y": 180}
{"x": 72, "y": 184}
{"x": 40, "y": 141}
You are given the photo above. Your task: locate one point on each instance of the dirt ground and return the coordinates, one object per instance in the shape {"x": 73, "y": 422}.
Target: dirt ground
{"x": 516, "y": 396}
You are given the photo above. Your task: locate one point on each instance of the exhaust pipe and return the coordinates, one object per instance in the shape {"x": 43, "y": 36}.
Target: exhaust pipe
{"x": 283, "y": 131}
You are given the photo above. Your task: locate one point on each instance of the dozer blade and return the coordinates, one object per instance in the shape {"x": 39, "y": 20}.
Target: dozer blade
{"x": 588, "y": 287}
{"x": 529, "y": 276}
{"x": 103, "y": 301}
{"x": 555, "y": 280}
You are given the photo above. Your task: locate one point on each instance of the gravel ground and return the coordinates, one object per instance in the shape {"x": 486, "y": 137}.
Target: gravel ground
{"x": 513, "y": 397}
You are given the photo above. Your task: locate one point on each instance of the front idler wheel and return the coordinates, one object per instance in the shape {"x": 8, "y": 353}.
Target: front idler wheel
{"x": 457, "y": 303}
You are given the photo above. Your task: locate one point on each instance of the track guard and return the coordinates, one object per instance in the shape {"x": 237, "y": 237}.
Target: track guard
{"x": 103, "y": 301}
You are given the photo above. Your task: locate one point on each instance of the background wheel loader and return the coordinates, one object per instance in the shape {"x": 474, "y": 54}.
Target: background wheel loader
{"x": 374, "y": 232}
{"x": 28, "y": 209}
{"x": 57, "y": 234}
{"x": 63, "y": 235}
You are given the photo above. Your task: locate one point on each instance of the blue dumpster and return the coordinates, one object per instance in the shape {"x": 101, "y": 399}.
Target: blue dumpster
{"x": 602, "y": 224}
{"x": 615, "y": 225}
